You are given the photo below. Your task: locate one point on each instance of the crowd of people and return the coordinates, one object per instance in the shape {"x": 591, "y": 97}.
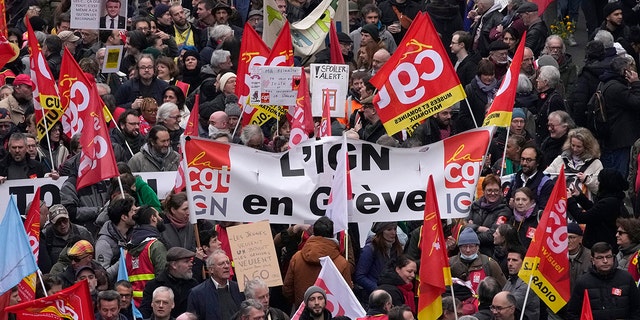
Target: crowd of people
{"x": 173, "y": 51}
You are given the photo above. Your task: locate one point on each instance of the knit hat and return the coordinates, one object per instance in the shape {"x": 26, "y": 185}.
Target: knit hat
{"x": 4, "y": 115}
{"x": 311, "y": 290}
{"x": 160, "y": 10}
{"x": 179, "y": 253}
{"x": 518, "y": 113}
{"x": 611, "y": 7}
{"x": 232, "y": 110}
{"x": 223, "y": 80}
{"x": 57, "y": 212}
{"x": 381, "y": 226}
{"x": 574, "y": 228}
{"x": 80, "y": 248}
{"x": 468, "y": 236}
{"x": 595, "y": 50}
{"x": 372, "y": 30}
{"x": 191, "y": 53}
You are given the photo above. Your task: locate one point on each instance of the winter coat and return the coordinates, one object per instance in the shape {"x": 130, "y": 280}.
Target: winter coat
{"x": 621, "y": 100}
{"x": 108, "y": 248}
{"x": 148, "y": 160}
{"x": 468, "y": 68}
{"x": 625, "y": 254}
{"x": 26, "y": 169}
{"x": 612, "y": 296}
{"x": 549, "y": 101}
{"x": 389, "y": 281}
{"x": 180, "y": 287}
{"x": 84, "y": 205}
{"x": 134, "y": 143}
{"x": 488, "y": 21}
{"x": 145, "y": 195}
{"x": 590, "y": 171}
{"x": 184, "y": 238}
{"x": 478, "y": 101}
{"x": 519, "y": 288}
{"x": 407, "y": 8}
{"x": 537, "y": 34}
{"x": 52, "y": 245}
{"x": 542, "y": 194}
{"x": 203, "y": 299}
{"x": 579, "y": 265}
{"x": 599, "y": 217}
{"x": 133, "y": 89}
{"x": 584, "y": 87}
{"x": 446, "y": 19}
{"x": 487, "y": 216}
{"x": 552, "y": 148}
{"x": 304, "y": 267}
{"x": 370, "y": 265}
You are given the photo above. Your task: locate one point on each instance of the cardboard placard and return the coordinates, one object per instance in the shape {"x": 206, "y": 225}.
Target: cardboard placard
{"x": 254, "y": 254}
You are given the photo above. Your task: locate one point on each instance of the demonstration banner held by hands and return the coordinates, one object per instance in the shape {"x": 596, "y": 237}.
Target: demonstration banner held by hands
{"x": 235, "y": 183}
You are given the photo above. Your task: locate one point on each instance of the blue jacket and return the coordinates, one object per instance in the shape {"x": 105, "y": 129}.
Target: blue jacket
{"x": 203, "y": 300}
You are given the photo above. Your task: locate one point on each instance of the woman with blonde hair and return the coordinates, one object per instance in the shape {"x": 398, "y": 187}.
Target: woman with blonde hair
{"x": 581, "y": 159}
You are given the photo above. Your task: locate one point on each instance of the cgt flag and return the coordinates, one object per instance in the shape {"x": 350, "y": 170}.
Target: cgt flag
{"x": 435, "y": 273}
{"x": 340, "y": 298}
{"x": 71, "y": 303}
{"x": 546, "y": 264}
{"x": 27, "y": 287}
{"x": 499, "y": 114}
{"x": 417, "y": 81}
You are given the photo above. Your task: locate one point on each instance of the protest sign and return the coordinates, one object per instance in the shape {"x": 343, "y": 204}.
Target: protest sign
{"x": 330, "y": 80}
{"x": 274, "y": 86}
{"x": 254, "y": 254}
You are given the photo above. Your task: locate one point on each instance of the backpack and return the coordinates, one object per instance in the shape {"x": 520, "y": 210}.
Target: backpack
{"x": 597, "y": 113}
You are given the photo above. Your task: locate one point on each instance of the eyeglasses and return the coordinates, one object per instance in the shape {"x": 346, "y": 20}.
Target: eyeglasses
{"x": 499, "y": 308}
{"x": 492, "y": 191}
{"x": 527, "y": 160}
{"x": 621, "y": 232}
{"x": 607, "y": 257}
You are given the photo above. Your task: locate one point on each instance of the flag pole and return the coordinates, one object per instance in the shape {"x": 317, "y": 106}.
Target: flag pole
{"x": 120, "y": 184}
{"x": 471, "y": 112}
{"x": 453, "y": 299}
{"x": 46, "y": 133}
{"x": 504, "y": 153}
{"x": 526, "y": 295}
{"x": 44, "y": 289}
{"x": 239, "y": 120}
{"x": 198, "y": 245}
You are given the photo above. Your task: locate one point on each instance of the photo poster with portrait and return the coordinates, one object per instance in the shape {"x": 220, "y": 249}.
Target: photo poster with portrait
{"x": 99, "y": 14}
{"x": 112, "y": 59}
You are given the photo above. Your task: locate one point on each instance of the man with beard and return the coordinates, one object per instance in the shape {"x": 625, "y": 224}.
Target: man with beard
{"x": 132, "y": 92}
{"x": 178, "y": 276}
{"x": 20, "y": 102}
{"x": 527, "y": 68}
{"x": 156, "y": 154}
{"x": 531, "y": 176}
{"x": 315, "y": 300}
{"x": 613, "y": 22}
{"x": 613, "y": 293}
{"x": 184, "y": 33}
{"x": 146, "y": 254}
{"x": 114, "y": 233}
{"x": 435, "y": 128}
{"x": 568, "y": 71}
{"x": 128, "y": 134}
{"x": 217, "y": 298}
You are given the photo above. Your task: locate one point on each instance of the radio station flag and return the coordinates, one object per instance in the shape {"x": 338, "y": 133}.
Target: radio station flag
{"x": 17, "y": 258}
{"x": 27, "y": 287}
{"x": 499, "y": 114}
{"x": 71, "y": 303}
{"x": 418, "y": 80}
{"x": 435, "y": 273}
{"x": 547, "y": 258}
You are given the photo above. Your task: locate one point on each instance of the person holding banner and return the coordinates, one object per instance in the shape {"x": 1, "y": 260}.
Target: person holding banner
{"x": 613, "y": 293}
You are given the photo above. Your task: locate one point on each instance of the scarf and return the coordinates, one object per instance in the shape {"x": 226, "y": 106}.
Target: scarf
{"x": 490, "y": 89}
{"x": 520, "y": 216}
{"x": 408, "y": 295}
{"x": 484, "y": 204}
{"x": 179, "y": 224}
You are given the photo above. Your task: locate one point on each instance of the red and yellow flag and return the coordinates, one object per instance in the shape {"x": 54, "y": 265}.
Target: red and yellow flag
{"x": 46, "y": 100}
{"x": 435, "y": 273}
{"x": 499, "y": 114}
{"x": 417, "y": 81}
{"x": 27, "y": 287}
{"x": 253, "y": 52}
{"x": 71, "y": 303}
{"x": 547, "y": 261}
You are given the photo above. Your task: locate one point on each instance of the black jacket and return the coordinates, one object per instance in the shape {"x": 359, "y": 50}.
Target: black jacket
{"x": 389, "y": 281}
{"x": 621, "y": 103}
{"x": 584, "y": 87}
{"x": 467, "y": 69}
{"x": 599, "y": 217}
{"x": 133, "y": 89}
{"x": 549, "y": 101}
{"x": 478, "y": 101}
{"x": 612, "y": 296}
{"x": 180, "y": 287}
{"x": 26, "y": 169}
{"x": 537, "y": 35}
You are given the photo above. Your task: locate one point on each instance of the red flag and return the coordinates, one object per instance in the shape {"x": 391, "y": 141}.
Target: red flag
{"x": 339, "y": 206}
{"x": 45, "y": 92}
{"x": 499, "y": 114}
{"x": 302, "y": 121}
{"x": 5, "y": 299}
{"x": 71, "y": 303}
{"x": 325, "y": 123}
{"x": 547, "y": 258}
{"x": 282, "y": 51}
{"x": 97, "y": 161}
{"x": 253, "y": 52}
{"x": 6, "y": 50}
{"x": 194, "y": 117}
{"x": 334, "y": 45}
{"x": 27, "y": 287}
{"x": 183, "y": 86}
{"x": 586, "y": 313}
{"x": 542, "y": 5}
{"x": 3, "y": 19}
{"x": 435, "y": 273}
{"x": 417, "y": 81}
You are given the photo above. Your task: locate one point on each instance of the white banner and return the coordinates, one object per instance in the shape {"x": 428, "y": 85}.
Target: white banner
{"x": 24, "y": 189}
{"x": 237, "y": 183}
